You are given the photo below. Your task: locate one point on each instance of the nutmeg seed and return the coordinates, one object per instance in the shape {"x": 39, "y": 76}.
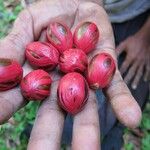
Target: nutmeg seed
{"x": 36, "y": 85}
{"x": 73, "y": 92}
{"x": 10, "y": 73}
{"x": 60, "y": 36}
{"x": 100, "y": 70}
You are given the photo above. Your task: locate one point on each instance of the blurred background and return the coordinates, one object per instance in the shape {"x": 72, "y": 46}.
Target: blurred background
{"x": 14, "y": 134}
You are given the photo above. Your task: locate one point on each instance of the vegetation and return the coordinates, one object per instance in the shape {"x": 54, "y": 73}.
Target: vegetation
{"x": 11, "y": 134}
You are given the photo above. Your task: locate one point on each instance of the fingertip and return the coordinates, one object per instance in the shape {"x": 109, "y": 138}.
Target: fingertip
{"x": 128, "y": 112}
{"x": 86, "y": 128}
{"x": 134, "y": 116}
{"x": 134, "y": 86}
{"x": 123, "y": 103}
{"x": 47, "y": 130}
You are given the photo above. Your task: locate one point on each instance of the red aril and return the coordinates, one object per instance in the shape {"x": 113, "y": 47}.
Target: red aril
{"x": 36, "y": 85}
{"x": 60, "y": 36}
{"x": 10, "y": 74}
{"x": 86, "y": 36}
{"x": 73, "y": 92}
{"x": 100, "y": 70}
{"x": 73, "y": 60}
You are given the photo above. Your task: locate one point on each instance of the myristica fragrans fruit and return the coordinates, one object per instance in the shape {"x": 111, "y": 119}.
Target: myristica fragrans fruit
{"x": 42, "y": 55}
{"x": 100, "y": 70}
{"x": 10, "y": 73}
{"x": 36, "y": 85}
{"x": 73, "y": 92}
{"x": 73, "y": 60}
{"x": 60, "y": 36}
{"x": 86, "y": 36}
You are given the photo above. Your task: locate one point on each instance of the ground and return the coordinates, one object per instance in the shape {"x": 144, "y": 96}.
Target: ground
{"x": 11, "y": 137}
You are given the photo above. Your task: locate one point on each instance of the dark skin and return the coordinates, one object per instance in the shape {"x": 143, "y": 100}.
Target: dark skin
{"x": 47, "y": 130}
{"x": 137, "y": 48}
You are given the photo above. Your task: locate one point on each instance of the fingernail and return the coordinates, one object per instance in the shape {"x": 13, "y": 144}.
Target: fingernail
{"x": 134, "y": 86}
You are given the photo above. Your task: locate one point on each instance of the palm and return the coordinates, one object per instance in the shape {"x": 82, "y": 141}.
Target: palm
{"x": 50, "y": 118}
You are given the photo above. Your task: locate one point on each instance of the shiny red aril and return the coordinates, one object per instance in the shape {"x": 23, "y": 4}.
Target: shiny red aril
{"x": 60, "y": 36}
{"x": 36, "y": 85}
{"x": 10, "y": 74}
{"x": 42, "y": 55}
{"x": 86, "y": 36}
{"x": 100, "y": 70}
{"x": 73, "y": 92}
{"x": 73, "y": 60}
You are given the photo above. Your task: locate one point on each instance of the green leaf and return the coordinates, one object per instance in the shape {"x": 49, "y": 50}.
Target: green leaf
{"x": 129, "y": 146}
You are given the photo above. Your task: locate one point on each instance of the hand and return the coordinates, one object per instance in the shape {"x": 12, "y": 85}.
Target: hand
{"x": 137, "y": 48}
{"x": 48, "y": 126}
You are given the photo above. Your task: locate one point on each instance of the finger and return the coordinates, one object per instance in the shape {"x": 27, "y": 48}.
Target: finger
{"x": 45, "y": 11}
{"x": 47, "y": 130}
{"x": 125, "y": 65}
{"x": 124, "y": 105}
{"x": 96, "y": 14}
{"x": 22, "y": 33}
{"x": 132, "y": 71}
{"x": 31, "y": 22}
{"x": 147, "y": 68}
{"x": 12, "y": 100}
{"x": 27, "y": 28}
{"x": 121, "y": 47}
{"x": 138, "y": 76}
{"x": 147, "y": 74}
{"x": 86, "y": 129}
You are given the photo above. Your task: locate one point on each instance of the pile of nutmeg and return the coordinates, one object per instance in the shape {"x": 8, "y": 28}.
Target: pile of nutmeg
{"x": 69, "y": 52}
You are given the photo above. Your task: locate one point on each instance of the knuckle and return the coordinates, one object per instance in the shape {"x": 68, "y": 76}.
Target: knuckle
{"x": 21, "y": 29}
{"x": 24, "y": 16}
{"x": 131, "y": 57}
{"x": 15, "y": 39}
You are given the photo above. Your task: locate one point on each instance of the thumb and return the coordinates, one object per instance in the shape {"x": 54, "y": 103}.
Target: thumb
{"x": 31, "y": 22}
{"x": 12, "y": 46}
